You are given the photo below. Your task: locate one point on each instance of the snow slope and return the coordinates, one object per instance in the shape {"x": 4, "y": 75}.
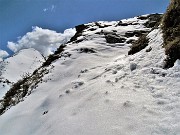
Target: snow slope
{"x": 102, "y": 91}
{"x": 17, "y": 66}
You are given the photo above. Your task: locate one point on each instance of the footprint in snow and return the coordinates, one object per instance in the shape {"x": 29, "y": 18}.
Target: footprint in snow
{"x": 107, "y": 101}
{"x": 78, "y": 84}
{"x": 60, "y": 95}
{"x": 67, "y": 91}
{"x": 127, "y": 104}
{"x": 110, "y": 82}
{"x": 106, "y": 92}
{"x": 161, "y": 102}
{"x": 45, "y": 112}
{"x": 84, "y": 71}
{"x": 114, "y": 72}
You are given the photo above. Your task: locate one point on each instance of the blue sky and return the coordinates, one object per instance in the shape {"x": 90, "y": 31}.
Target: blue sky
{"x": 18, "y": 16}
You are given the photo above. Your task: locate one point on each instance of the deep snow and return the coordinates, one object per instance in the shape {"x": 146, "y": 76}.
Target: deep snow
{"x": 103, "y": 93}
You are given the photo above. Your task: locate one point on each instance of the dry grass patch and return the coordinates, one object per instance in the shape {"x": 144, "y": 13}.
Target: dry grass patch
{"x": 171, "y": 33}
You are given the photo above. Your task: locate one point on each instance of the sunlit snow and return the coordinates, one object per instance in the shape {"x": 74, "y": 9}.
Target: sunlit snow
{"x": 99, "y": 93}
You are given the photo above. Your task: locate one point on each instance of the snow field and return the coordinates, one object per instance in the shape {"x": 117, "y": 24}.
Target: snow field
{"x": 103, "y": 93}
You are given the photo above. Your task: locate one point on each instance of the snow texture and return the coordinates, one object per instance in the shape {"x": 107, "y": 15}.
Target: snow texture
{"x": 103, "y": 93}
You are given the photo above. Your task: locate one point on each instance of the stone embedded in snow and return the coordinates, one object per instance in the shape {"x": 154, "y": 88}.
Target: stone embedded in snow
{"x": 133, "y": 66}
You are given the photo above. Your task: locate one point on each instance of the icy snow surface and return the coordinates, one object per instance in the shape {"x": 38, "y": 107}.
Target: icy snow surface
{"x": 102, "y": 93}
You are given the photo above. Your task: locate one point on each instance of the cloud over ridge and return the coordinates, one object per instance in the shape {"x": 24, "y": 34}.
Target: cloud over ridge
{"x": 3, "y": 54}
{"x": 43, "y": 40}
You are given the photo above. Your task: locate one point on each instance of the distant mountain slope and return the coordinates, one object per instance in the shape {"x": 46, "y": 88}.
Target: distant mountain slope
{"x": 17, "y": 66}
{"x": 91, "y": 86}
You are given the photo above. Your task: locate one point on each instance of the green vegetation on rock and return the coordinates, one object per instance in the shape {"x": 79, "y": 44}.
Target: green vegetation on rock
{"x": 171, "y": 32}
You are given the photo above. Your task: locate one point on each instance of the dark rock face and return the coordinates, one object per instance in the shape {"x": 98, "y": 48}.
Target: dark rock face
{"x": 113, "y": 38}
{"x": 55, "y": 56}
{"x": 79, "y": 31}
{"x": 138, "y": 45}
{"x": 81, "y": 27}
{"x": 136, "y": 33}
{"x": 153, "y": 20}
{"x": 130, "y": 41}
{"x": 171, "y": 32}
{"x": 122, "y": 24}
{"x": 87, "y": 50}
{"x": 101, "y": 26}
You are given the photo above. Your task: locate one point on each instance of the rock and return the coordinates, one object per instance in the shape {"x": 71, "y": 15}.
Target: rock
{"x": 154, "y": 20}
{"x": 122, "y": 24}
{"x": 136, "y": 33}
{"x": 110, "y": 38}
{"x": 87, "y": 50}
{"x": 79, "y": 31}
{"x": 138, "y": 45}
{"x": 133, "y": 66}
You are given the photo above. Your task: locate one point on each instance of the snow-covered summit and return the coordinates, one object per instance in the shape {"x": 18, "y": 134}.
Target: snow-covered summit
{"x": 14, "y": 68}
{"x": 91, "y": 86}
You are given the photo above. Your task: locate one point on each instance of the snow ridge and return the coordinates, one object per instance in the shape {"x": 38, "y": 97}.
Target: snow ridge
{"x": 95, "y": 87}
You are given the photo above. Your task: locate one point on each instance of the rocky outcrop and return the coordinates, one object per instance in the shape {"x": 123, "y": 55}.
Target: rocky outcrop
{"x": 153, "y": 21}
{"x": 138, "y": 45}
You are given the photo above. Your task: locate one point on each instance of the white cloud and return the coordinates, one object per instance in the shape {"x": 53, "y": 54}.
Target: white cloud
{"x": 3, "y": 54}
{"x": 43, "y": 40}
